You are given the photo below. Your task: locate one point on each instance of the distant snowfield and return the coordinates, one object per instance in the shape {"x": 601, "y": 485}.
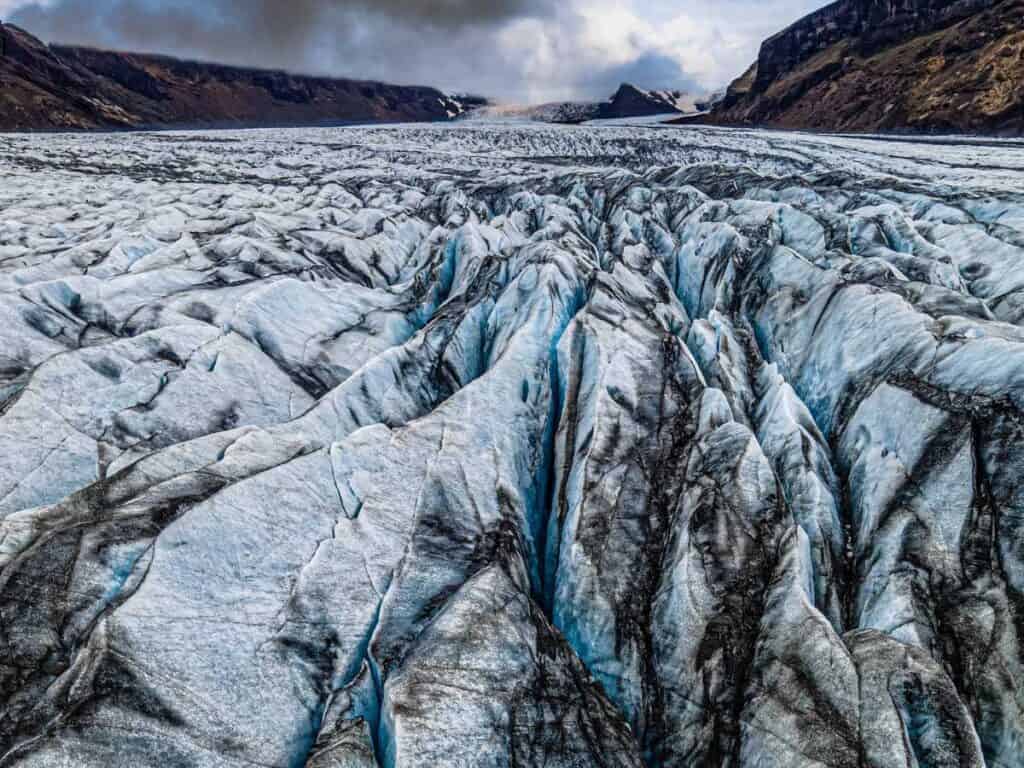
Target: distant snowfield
{"x": 637, "y": 122}
{"x": 499, "y": 443}
{"x": 977, "y": 163}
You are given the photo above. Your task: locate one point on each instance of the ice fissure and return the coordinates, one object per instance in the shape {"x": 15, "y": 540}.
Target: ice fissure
{"x": 511, "y": 445}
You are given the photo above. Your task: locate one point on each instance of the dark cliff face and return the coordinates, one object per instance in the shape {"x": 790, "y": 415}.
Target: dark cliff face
{"x": 630, "y": 101}
{"x": 69, "y": 88}
{"x": 868, "y": 65}
{"x": 874, "y": 24}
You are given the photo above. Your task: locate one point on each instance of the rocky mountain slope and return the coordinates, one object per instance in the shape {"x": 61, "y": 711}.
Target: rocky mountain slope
{"x": 511, "y": 445}
{"x": 61, "y": 87}
{"x": 879, "y": 65}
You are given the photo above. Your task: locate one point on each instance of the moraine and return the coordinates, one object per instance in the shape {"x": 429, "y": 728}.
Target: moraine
{"x": 511, "y": 445}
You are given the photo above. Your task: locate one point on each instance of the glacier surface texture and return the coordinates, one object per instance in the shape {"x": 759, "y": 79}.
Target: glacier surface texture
{"x": 508, "y": 446}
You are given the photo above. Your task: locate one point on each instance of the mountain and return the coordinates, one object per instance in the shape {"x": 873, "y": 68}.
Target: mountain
{"x": 627, "y": 101}
{"x": 630, "y": 101}
{"x": 71, "y": 88}
{"x": 889, "y": 65}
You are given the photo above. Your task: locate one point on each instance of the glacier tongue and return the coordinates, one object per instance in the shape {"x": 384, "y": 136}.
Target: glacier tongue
{"x": 511, "y": 445}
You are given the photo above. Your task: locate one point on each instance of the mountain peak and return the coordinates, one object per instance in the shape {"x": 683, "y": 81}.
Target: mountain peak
{"x": 627, "y": 88}
{"x": 631, "y": 101}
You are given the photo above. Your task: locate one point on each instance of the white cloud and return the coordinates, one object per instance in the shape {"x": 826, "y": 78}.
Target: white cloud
{"x": 712, "y": 40}
{"x": 552, "y": 57}
{"x": 9, "y": 6}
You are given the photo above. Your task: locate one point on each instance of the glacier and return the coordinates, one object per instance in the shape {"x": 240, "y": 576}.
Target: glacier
{"x": 502, "y": 444}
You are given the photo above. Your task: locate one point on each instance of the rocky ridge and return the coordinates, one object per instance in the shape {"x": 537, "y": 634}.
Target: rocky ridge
{"x": 72, "y": 88}
{"x": 869, "y": 65}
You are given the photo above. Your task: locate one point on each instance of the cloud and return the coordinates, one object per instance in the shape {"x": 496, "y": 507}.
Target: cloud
{"x": 517, "y": 50}
{"x": 652, "y": 70}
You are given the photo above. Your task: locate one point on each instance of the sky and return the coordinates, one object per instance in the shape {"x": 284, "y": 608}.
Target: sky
{"x": 516, "y": 51}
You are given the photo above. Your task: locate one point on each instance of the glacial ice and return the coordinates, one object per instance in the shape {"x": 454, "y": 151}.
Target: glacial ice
{"x": 511, "y": 445}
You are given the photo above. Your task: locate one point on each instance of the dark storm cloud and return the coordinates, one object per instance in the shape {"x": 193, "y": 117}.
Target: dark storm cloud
{"x": 335, "y": 36}
{"x": 284, "y": 19}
